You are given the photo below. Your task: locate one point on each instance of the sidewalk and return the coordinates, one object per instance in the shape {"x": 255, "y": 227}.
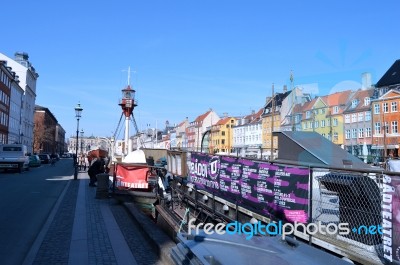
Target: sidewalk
{"x": 83, "y": 230}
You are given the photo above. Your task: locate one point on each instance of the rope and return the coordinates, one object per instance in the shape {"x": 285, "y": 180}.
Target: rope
{"x": 117, "y": 133}
{"x": 137, "y": 130}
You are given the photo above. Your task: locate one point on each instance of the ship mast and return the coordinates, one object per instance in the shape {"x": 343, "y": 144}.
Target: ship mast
{"x": 293, "y": 101}
{"x": 272, "y": 122}
{"x": 127, "y": 104}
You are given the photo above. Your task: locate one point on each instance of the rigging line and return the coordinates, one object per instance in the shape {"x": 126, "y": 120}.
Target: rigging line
{"x": 137, "y": 130}
{"x": 117, "y": 133}
{"x": 119, "y": 123}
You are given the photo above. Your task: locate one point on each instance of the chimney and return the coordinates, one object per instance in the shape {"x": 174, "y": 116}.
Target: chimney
{"x": 22, "y": 58}
{"x": 366, "y": 81}
{"x": 253, "y": 112}
{"x": 225, "y": 114}
{"x": 267, "y": 99}
{"x": 284, "y": 88}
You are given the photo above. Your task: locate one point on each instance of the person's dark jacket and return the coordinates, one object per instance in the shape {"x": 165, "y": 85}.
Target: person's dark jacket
{"x": 97, "y": 167}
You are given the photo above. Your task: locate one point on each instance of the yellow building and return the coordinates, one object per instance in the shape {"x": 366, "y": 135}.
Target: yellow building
{"x": 324, "y": 115}
{"x": 222, "y": 136}
{"x": 271, "y": 121}
{"x": 314, "y": 117}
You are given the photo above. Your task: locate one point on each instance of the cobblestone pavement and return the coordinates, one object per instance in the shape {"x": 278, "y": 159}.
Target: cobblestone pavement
{"x": 54, "y": 248}
{"x": 137, "y": 242}
{"x": 86, "y": 230}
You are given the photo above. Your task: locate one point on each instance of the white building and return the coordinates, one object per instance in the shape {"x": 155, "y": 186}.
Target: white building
{"x": 15, "y": 118}
{"x": 247, "y": 136}
{"x": 198, "y": 127}
{"x": 11, "y": 104}
{"x": 27, "y": 77}
{"x": 180, "y": 135}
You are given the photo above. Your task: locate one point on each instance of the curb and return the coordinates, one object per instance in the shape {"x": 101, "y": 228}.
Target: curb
{"x": 157, "y": 237}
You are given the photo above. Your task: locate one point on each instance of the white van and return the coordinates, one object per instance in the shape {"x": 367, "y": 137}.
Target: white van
{"x": 14, "y": 156}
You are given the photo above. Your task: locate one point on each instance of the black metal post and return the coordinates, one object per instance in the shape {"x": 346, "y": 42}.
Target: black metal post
{"x": 76, "y": 150}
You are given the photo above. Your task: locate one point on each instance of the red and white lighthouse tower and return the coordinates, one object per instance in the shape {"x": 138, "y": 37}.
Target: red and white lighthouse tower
{"x": 127, "y": 104}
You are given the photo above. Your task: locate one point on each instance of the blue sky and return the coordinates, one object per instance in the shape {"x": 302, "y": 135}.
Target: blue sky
{"x": 189, "y": 56}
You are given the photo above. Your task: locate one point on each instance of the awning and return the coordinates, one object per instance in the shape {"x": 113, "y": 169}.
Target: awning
{"x": 389, "y": 146}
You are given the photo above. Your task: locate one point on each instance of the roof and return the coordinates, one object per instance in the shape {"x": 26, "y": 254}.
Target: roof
{"x": 299, "y": 107}
{"x": 223, "y": 121}
{"x": 360, "y": 95}
{"x": 307, "y": 106}
{"x": 337, "y": 98}
{"x": 254, "y": 117}
{"x": 391, "y": 77}
{"x": 313, "y": 148}
{"x": 278, "y": 97}
{"x": 201, "y": 117}
{"x": 39, "y": 108}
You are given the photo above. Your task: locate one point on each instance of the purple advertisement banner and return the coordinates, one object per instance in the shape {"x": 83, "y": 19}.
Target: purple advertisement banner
{"x": 279, "y": 192}
{"x": 391, "y": 219}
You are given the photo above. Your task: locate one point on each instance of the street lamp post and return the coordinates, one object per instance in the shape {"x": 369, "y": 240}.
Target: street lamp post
{"x": 78, "y": 111}
{"x": 82, "y": 159}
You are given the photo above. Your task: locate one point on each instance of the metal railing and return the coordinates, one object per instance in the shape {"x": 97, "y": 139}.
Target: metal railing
{"x": 344, "y": 195}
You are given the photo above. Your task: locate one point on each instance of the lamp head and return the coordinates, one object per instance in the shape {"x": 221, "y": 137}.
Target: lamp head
{"x": 78, "y": 111}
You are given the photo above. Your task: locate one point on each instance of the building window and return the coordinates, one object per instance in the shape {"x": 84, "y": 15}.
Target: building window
{"x": 335, "y": 109}
{"x": 367, "y": 132}
{"x": 354, "y": 117}
{"x": 376, "y": 108}
{"x": 354, "y": 103}
{"x": 377, "y": 128}
{"x": 335, "y": 137}
{"x": 367, "y": 101}
{"x": 394, "y": 127}
{"x": 354, "y": 133}
{"x": 308, "y": 114}
{"x": 335, "y": 122}
{"x": 347, "y": 118}
{"x": 361, "y": 133}
{"x": 347, "y": 134}
{"x": 394, "y": 106}
{"x": 385, "y": 107}
{"x": 323, "y": 123}
{"x": 367, "y": 115}
{"x": 316, "y": 123}
{"x": 360, "y": 116}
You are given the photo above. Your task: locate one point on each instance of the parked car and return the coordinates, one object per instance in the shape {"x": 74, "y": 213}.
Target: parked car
{"x": 66, "y": 155}
{"x": 45, "y": 158}
{"x": 34, "y": 161}
{"x": 14, "y": 156}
